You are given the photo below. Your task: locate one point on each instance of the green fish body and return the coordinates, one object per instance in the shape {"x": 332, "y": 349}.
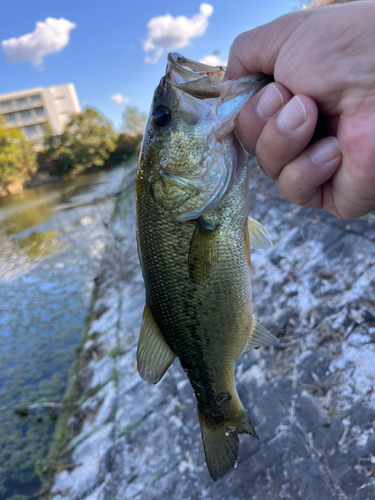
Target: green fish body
{"x": 192, "y": 195}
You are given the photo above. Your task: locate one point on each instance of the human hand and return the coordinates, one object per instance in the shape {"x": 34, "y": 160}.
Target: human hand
{"x": 323, "y": 62}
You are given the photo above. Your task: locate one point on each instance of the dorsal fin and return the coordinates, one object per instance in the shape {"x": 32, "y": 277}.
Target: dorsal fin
{"x": 247, "y": 247}
{"x": 259, "y": 336}
{"x": 258, "y": 235}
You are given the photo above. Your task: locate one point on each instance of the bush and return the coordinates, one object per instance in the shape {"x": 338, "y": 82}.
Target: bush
{"x": 87, "y": 141}
{"x": 17, "y": 158}
{"x": 133, "y": 121}
{"x": 126, "y": 145}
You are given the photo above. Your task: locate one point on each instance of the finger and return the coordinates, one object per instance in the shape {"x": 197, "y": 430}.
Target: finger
{"x": 286, "y": 135}
{"x": 303, "y": 180}
{"x": 257, "y": 49}
{"x": 257, "y": 111}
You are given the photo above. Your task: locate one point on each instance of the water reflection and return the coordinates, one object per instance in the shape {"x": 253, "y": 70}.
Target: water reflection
{"x": 18, "y": 221}
{"x": 37, "y": 244}
{"x": 51, "y": 240}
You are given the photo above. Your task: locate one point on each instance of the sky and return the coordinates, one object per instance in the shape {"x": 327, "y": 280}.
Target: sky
{"x": 114, "y": 51}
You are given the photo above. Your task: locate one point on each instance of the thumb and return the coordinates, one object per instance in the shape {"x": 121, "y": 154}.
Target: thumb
{"x": 257, "y": 50}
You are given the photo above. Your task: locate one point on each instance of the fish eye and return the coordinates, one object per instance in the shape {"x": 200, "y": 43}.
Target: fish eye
{"x": 161, "y": 116}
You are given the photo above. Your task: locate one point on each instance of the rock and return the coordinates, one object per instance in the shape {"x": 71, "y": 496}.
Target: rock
{"x": 102, "y": 371}
{"x": 87, "y": 457}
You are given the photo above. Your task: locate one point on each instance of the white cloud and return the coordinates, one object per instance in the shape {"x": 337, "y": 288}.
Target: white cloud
{"x": 167, "y": 32}
{"x": 49, "y": 37}
{"x": 120, "y": 99}
{"x": 213, "y": 60}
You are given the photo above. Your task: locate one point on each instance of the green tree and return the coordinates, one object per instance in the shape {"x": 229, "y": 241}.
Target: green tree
{"x": 87, "y": 140}
{"x": 127, "y": 145}
{"x": 17, "y": 158}
{"x": 133, "y": 121}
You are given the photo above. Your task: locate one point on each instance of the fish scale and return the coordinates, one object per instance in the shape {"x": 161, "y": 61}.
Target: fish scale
{"x": 186, "y": 312}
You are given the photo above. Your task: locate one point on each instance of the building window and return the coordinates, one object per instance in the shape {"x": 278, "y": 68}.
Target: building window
{"x": 35, "y": 98}
{"x": 58, "y": 97}
{"x": 25, "y": 114}
{"x": 31, "y": 130}
{"x": 10, "y": 117}
{"x": 39, "y": 111}
{"x": 5, "y": 104}
{"x": 21, "y": 101}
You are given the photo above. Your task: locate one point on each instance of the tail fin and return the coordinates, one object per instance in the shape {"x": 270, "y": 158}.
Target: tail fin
{"x": 220, "y": 442}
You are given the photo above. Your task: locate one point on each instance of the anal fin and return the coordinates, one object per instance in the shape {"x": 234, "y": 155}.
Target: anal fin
{"x": 259, "y": 336}
{"x": 154, "y": 356}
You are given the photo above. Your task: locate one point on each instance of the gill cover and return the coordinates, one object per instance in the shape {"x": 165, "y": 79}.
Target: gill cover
{"x": 198, "y": 165}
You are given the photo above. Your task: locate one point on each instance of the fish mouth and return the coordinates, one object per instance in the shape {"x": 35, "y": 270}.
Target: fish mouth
{"x": 188, "y": 70}
{"x": 197, "y": 79}
{"x": 205, "y": 82}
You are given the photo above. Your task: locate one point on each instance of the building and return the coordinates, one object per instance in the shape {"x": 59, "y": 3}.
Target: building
{"x": 31, "y": 109}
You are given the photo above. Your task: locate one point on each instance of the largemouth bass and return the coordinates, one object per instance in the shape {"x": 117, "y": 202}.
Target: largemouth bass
{"x": 193, "y": 234}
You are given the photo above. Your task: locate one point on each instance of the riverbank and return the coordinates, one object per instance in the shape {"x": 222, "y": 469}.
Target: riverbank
{"x": 52, "y": 242}
{"x": 37, "y": 180}
{"x": 44, "y": 178}
{"x": 311, "y": 398}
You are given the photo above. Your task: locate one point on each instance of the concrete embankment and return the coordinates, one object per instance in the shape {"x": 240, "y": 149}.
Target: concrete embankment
{"x": 311, "y": 398}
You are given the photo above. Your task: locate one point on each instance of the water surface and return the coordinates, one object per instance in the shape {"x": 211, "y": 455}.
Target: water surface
{"x": 51, "y": 241}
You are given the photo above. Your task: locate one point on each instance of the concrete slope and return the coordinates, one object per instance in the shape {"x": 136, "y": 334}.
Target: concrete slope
{"x": 311, "y": 399}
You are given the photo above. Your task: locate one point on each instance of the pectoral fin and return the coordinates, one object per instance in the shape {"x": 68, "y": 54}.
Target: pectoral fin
{"x": 259, "y": 336}
{"x": 154, "y": 356}
{"x": 258, "y": 235}
{"x": 203, "y": 250}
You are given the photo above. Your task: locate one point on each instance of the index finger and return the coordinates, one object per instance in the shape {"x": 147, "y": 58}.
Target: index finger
{"x": 257, "y": 50}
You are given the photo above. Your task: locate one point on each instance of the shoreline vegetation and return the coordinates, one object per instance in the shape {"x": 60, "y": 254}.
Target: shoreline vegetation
{"x": 87, "y": 144}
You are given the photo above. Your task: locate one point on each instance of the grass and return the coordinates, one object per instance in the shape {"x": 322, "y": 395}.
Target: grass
{"x": 127, "y": 429}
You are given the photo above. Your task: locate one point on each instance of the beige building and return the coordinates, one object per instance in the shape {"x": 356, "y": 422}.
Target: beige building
{"x": 31, "y": 109}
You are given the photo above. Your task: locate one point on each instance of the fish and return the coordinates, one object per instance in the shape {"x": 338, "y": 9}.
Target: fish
{"x": 194, "y": 236}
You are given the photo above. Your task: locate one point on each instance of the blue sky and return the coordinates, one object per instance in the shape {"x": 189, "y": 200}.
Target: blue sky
{"x": 99, "y": 46}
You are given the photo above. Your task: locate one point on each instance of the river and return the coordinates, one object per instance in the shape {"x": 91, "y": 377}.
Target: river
{"x": 51, "y": 241}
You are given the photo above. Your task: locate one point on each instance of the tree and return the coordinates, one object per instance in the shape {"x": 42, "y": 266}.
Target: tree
{"x": 127, "y": 145}
{"x": 134, "y": 121}
{"x": 17, "y": 158}
{"x": 87, "y": 140}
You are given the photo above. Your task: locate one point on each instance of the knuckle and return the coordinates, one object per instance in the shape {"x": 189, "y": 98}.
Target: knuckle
{"x": 237, "y": 44}
{"x": 241, "y": 44}
{"x": 241, "y": 39}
